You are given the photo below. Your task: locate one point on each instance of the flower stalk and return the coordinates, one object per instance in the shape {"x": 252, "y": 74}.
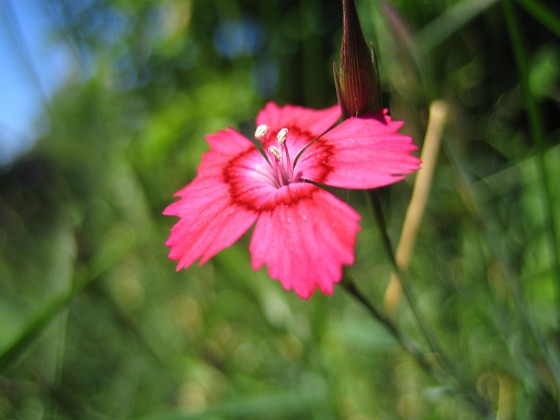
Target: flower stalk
{"x": 358, "y": 92}
{"x": 418, "y": 201}
{"x": 406, "y": 342}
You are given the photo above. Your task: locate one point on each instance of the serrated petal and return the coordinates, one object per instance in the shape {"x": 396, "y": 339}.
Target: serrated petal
{"x": 305, "y": 239}
{"x": 361, "y": 153}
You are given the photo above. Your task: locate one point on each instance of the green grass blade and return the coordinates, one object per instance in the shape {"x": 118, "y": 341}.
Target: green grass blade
{"x": 450, "y": 22}
{"x": 104, "y": 261}
{"x": 537, "y": 133}
{"x": 287, "y": 404}
{"x": 543, "y": 14}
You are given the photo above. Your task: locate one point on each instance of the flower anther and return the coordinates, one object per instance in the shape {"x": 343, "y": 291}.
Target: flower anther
{"x": 282, "y": 135}
{"x": 261, "y": 131}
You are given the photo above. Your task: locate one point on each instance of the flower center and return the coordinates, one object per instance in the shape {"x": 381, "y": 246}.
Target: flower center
{"x": 282, "y": 172}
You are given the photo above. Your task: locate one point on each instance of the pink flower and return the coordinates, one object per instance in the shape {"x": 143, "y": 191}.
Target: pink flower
{"x": 303, "y": 233}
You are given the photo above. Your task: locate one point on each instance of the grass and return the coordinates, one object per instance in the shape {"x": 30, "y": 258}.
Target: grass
{"x": 98, "y": 324}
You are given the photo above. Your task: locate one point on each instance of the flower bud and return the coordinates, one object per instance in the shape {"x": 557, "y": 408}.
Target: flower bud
{"x": 357, "y": 81}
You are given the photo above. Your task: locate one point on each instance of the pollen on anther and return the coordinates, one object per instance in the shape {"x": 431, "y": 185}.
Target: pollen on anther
{"x": 274, "y": 151}
{"x": 261, "y": 131}
{"x": 282, "y": 135}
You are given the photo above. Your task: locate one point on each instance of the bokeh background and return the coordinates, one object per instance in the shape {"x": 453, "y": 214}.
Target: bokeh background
{"x": 96, "y": 323}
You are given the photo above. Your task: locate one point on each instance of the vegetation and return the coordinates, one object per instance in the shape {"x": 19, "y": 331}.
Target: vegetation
{"x": 96, "y": 322}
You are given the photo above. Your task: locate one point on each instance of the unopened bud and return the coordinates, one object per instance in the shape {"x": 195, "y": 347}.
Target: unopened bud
{"x": 357, "y": 81}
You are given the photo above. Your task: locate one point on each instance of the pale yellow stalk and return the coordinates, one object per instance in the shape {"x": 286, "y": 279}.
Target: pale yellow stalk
{"x": 418, "y": 201}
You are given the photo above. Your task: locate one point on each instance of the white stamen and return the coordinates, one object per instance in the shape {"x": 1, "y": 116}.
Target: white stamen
{"x": 282, "y": 135}
{"x": 274, "y": 150}
{"x": 261, "y": 131}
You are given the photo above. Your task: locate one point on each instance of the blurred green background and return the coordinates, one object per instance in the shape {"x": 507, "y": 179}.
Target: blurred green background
{"x": 96, "y": 323}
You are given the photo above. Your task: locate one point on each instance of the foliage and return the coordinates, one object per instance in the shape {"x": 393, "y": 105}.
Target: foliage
{"x": 95, "y": 321}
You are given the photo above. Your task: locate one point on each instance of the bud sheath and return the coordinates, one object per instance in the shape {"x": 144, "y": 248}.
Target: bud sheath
{"x": 357, "y": 82}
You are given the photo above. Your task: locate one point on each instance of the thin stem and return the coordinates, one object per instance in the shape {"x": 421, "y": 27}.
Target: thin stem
{"x": 418, "y": 201}
{"x": 479, "y": 217}
{"x": 471, "y": 394}
{"x": 378, "y": 211}
{"x": 545, "y": 15}
{"x": 407, "y": 343}
{"x": 536, "y": 127}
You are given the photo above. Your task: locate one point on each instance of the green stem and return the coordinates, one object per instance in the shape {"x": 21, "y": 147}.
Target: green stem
{"x": 380, "y": 219}
{"x": 407, "y": 343}
{"x": 536, "y": 127}
{"x": 480, "y": 217}
{"x": 537, "y": 132}
{"x": 470, "y": 393}
{"x": 543, "y": 14}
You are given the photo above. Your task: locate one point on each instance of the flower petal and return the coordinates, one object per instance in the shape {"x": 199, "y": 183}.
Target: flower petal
{"x": 314, "y": 121}
{"x": 303, "y": 124}
{"x": 360, "y": 153}
{"x": 210, "y": 220}
{"x": 225, "y": 145}
{"x": 305, "y": 239}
